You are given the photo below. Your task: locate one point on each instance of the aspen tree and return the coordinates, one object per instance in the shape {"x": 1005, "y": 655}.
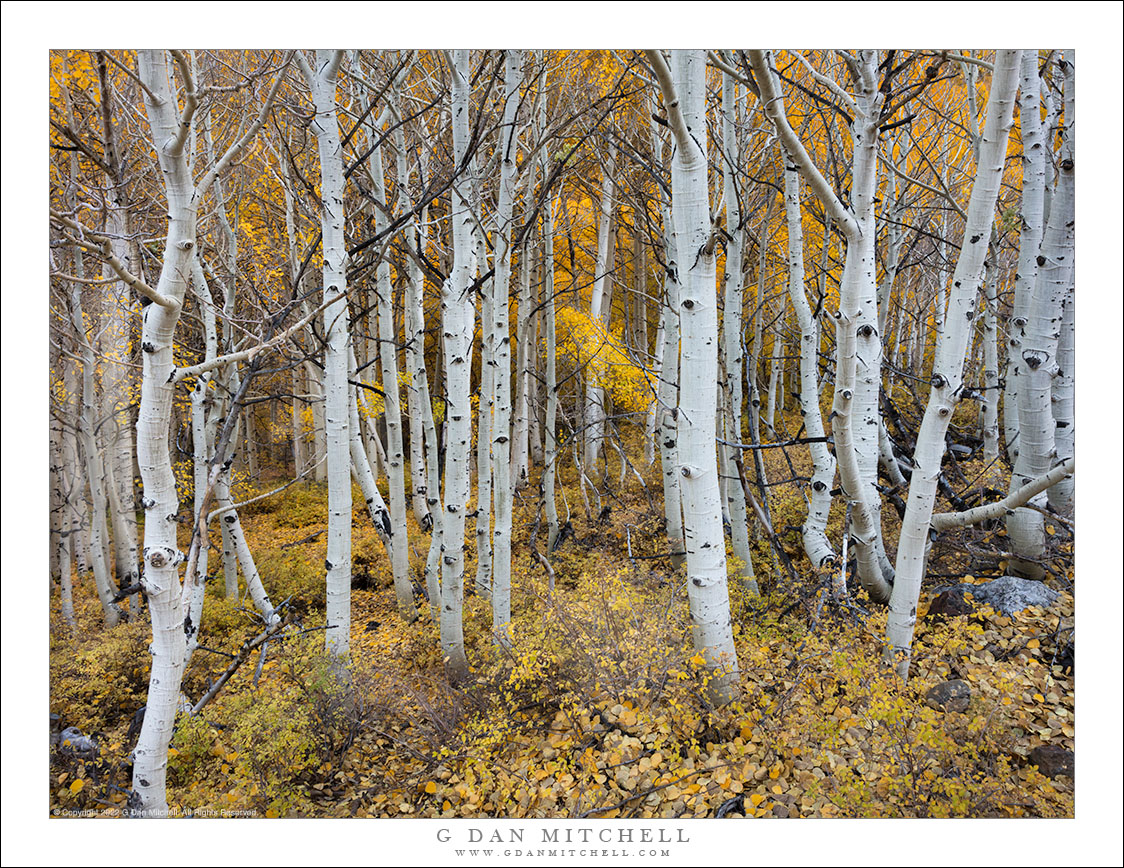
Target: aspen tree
{"x": 456, "y": 324}
{"x": 814, "y": 531}
{"x": 600, "y": 312}
{"x": 732, "y": 331}
{"x": 551, "y": 384}
{"x": 667, "y": 383}
{"x": 87, "y": 421}
{"x": 322, "y": 84}
{"x": 858, "y": 373}
{"x": 501, "y": 348}
{"x": 1031, "y": 224}
{"x": 1040, "y": 348}
{"x": 397, "y": 540}
{"x": 683, "y": 86}
{"x": 948, "y": 366}
{"x": 167, "y": 599}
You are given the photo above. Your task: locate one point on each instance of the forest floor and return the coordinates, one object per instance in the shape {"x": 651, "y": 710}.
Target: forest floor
{"x": 598, "y": 708}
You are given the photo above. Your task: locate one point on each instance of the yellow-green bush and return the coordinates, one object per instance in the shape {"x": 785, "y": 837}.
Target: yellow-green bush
{"x": 96, "y": 685}
{"x": 271, "y": 734}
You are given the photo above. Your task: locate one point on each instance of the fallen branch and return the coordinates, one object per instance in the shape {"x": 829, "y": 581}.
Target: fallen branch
{"x": 243, "y": 654}
{"x": 1019, "y": 497}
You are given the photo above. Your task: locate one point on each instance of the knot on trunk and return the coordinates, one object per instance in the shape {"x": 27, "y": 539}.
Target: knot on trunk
{"x": 1035, "y": 358}
{"x": 159, "y": 557}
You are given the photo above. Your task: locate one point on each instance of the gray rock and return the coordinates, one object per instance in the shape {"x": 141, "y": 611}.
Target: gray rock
{"x": 74, "y": 742}
{"x": 1009, "y": 594}
{"x": 949, "y": 696}
{"x": 1052, "y": 760}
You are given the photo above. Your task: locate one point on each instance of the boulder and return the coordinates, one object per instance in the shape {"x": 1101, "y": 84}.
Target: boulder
{"x": 949, "y": 696}
{"x": 1010, "y": 594}
{"x": 1052, "y": 760}
{"x": 72, "y": 741}
{"x": 951, "y": 603}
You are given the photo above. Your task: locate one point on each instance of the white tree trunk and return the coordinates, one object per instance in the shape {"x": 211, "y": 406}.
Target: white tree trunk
{"x": 161, "y": 553}
{"x": 322, "y": 83}
{"x": 457, "y": 318}
{"x": 814, "y": 531}
{"x": 600, "y": 311}
{"x": 1037, "y": 446}
{"x": 202, "y": 440}
{"x": 526, "y": 320}
{"x": 948, "y": 366}
{"x": 62, "y": 554}
{"x": 1061, "y": 495}
{"x": 989, "y": 421}
{"x": 732, "y": 336}
{"x": 486, "y": 402}
{"x": 501, "y": 349}
{"x": 414, "y": 339}
{"x": 550, "y": 462}
{"x": 858, "y": 341}
{"x": 398, "y": 543}
{"x": 684, "y": 95}
{"x": 1031, "y": 213}
{"x": 94, "y": 460}
{"x": 667, "y": 384}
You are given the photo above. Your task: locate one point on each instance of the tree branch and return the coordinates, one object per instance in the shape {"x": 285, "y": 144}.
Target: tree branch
{"x": 1019, "y": 497}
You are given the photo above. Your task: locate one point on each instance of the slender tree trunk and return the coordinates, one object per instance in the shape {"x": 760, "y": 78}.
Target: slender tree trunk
{"x": 1037, "y": 446}
{"x": 94, "y": 459}
{"x": 526, "y": 351}
{"x": 161, "y": 553}
{"x": 667, "y": 387}
{"x": 501, "y": 349}
{"x": 858, "y": 341}
{"x": 600, "y": 311}
{"x": 551, "y": 385}
{"x": 1032, "y": 221}
{"x": 814, "y": 531}
{"x": 1061, "y": 495}
{"x": 990, "y": 400}
{"x": 684, "y": 93}
{"x": 947, "y": 381}
{"x": 732, "y": 336}
{"x": 487, "y": 399}
{"x": 398, "y": 540}
{"x": 457, "y": 317}
{"x": 322, "y": 83}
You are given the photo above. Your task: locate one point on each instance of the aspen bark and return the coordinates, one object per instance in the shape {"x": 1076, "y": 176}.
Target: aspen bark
{"x": 948, "y": 366}
{"x": 551, "y": 385}
{"x": 398, "y": 543}
{"x": 858, "y": 341}
{"x": 1061, "y": 495}
{"x": 1032, "y": 221}
{"x": 989, "y": 416}
{"x": 322, "y": 84}
{"x": 814, "y": 531}
{"x": 732, "y": 335}
{"x": 684, "y": 93}
{"x": 1039, "y": 354}
{"x": 414, "y": 339}
{"x": 161, "y": 553}
{"x": 501, "y": 349}
{"x": 667, "y": 386}
{"x": 600, "y": 312}
{"x": 95, "y": 462}
{"x": 457, "y": 318}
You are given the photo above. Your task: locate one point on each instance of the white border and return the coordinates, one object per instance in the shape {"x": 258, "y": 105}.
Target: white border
{"x": 30, "y": 29}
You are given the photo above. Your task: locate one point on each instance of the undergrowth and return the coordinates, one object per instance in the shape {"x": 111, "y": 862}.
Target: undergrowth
{"x": 595, "y": 706}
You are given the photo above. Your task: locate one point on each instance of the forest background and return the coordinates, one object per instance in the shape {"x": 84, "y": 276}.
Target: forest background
{"x": 1093, "y": 837}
